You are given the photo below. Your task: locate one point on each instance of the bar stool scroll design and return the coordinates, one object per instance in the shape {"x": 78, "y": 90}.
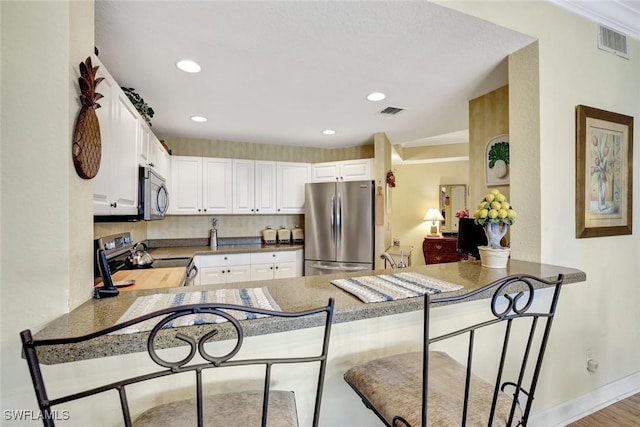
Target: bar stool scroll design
{"x": 409, "y": 389}
{"x": 264, "y": 407}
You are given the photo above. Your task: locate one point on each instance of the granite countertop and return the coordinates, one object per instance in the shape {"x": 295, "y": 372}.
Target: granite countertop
{"x": 166, "y": 252}
{"x": 295, "y": 294}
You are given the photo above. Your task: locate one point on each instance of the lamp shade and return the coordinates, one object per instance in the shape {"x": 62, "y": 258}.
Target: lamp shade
{"x": 433, "y": 214}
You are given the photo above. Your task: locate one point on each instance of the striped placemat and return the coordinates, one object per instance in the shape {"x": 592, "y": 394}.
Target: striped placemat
{"x": 389, "y": 287}
{"x": 251, "y": 297}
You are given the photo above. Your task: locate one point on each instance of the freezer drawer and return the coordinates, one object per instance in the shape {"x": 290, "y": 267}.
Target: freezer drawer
{"x": 316, "y": 268}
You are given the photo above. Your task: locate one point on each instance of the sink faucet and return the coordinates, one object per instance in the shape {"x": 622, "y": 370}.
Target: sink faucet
{"x": 390, "y": 260}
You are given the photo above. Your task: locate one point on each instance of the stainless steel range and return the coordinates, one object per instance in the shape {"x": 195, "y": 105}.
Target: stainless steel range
{"x": 119, "y": 247}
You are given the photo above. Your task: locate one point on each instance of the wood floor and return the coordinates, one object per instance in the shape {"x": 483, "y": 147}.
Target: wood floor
{"x": 625, "y": 413}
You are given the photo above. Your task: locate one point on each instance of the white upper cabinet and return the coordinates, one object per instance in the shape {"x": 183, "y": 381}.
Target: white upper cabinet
{"x": 217, "y": 186}
{"x": 151, "y": 152}
{"x": 243, "y": 186}
{"x": 115, "y": 187}
{"x": 185, "y": 195}
{"x": 346, "y": 170}
{"x": 265, "y": 187}
{"x": 254, "y": 187}
{"x": 200, "y": 186}
{"x": 290, "y": 180}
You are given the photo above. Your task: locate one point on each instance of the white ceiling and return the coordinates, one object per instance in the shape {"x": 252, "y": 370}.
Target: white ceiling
{"x": 281, "y": 72}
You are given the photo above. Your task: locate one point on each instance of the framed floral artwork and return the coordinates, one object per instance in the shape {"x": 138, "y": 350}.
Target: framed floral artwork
{"x": 604, "y": 173}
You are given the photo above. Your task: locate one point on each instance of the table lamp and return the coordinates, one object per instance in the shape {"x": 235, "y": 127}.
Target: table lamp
{"x": 435, "y": 217}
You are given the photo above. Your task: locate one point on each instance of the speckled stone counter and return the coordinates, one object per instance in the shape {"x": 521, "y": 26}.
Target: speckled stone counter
{"x": 293, "y": 294}
{"x": 191, "y": 251}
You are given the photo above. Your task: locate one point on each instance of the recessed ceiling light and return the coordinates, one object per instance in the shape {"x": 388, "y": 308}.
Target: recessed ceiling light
{"x": 376, "y": 96}
{"x": 188, "y": 66}
{"x": 199, "y": 119}
{"x": 328, "y": 131}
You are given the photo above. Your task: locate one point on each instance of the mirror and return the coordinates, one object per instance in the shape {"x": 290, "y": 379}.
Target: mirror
{"x": 453, "y": 198}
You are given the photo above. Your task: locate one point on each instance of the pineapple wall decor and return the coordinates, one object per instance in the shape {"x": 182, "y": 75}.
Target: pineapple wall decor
{"x": 87, "y": 147}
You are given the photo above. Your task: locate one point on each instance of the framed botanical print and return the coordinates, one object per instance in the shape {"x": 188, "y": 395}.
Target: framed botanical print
{"x": 604, "y": 173}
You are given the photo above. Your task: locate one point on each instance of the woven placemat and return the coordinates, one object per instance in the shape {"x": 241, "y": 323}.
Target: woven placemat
{"x": 390, "y": 287}
{"x": 250, "y": 297}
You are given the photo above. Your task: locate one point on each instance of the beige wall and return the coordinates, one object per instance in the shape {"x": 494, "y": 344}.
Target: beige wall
{"x": 600, "y": 316}
{"x": 39, "y": 216}
{"x": 488, "y": 117}
{"x": 417, "y": 191}
{"x": 247, "y": 150}
{"x": 46, "y": 222}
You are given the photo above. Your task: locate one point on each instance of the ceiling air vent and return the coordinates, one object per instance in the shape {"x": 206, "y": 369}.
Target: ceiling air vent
{"x": 613, "y": 42}
{"x": 391, "y": 110}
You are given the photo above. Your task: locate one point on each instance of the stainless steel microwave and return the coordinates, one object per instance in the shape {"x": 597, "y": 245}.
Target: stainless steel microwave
{"x": 153, "y": 198}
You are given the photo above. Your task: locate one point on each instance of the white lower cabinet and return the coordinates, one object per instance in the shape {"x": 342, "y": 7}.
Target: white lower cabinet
{"x": 220, "y": 269}
{"x": 217, "y": 269}
{"x": 275, "y": 265}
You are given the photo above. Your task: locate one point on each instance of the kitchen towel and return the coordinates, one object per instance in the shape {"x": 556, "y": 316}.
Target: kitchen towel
{"x": 251, "y": 297}
{"x": 390, "y": 287}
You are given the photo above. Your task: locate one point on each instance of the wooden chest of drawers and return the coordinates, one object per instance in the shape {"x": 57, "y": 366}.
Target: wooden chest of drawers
{"x": 440, "y": 250}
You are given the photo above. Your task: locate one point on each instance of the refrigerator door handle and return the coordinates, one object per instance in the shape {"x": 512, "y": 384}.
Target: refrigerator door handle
{"x": 333, "y": 218}
{"x": 339, "y": 219}
{"x": 324, "y": 267}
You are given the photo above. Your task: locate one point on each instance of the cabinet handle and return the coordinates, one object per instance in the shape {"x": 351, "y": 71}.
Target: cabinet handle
{"x": 277, "y": 267}
{"x": 225, "y": 258}
{"x": 257, "y": 210}
{"x": 223, "y": 271}
{"x": 273, "y": 255}
{"x": 228, "y": 271}
{"x": 251, "y": 210}
{"x": 199, "y": 210}
{"x": 438, "y": 247}
{"x": 278, "y": 209}
{"x": 151, "y": 164}
{"x": 438, "y": 258}
{"x": 114, "y": 204}
{"x": 205, "y": 210}
{"x": 271, "y": 268}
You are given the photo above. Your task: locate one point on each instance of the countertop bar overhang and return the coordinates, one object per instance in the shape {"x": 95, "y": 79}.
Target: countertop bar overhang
{"x": 295, "y": 294}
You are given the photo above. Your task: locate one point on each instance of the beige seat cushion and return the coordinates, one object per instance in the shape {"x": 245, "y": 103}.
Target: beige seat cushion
{"x": 225, "y": 410}
{"x": 394, "y": 387}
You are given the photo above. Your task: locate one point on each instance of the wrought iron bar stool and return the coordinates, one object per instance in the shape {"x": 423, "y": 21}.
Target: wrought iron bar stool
{"x": 412, "y": 390}
{"x": 242, "y": 408}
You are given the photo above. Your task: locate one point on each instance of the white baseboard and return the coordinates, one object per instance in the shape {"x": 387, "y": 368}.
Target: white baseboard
{"x": 587, "y": 404}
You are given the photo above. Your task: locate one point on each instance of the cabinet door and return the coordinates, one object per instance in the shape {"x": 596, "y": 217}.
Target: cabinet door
{"x": 262, "y": 271}
{"x": 102, "y": 181}
{"x": 162, "y": 158}
{"x": 355, "y": 170}
{"x": 243, "y": 186}
{"x": 144, "y": 144}
{"x": 265, "y": 187}
{"x": 282, "y": 270}
{"x": 325, "y": 172}
{"x": 185, "y": 196}
{"x": 217, "y": 186}
{"x": 290, "y": 180}
{"x": 211, "y": 276}
{"x": 124, "y": 178}
{"x": 238, "y": 273}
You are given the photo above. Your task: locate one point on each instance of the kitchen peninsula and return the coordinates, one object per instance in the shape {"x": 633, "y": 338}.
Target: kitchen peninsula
{"x": 360, "y": 332}
{"x": 294, "y": 294}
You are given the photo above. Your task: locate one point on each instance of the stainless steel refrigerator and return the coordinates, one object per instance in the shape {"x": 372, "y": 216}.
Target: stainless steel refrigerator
{"x": 339, "y": 227}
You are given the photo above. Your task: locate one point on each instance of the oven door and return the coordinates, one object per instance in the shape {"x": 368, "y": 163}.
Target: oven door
{"x": 154, "y": 195}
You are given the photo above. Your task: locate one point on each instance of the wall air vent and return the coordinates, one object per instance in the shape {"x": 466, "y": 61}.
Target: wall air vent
{"x": 391, "y": 110}
{"x": 613, "y": 42}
